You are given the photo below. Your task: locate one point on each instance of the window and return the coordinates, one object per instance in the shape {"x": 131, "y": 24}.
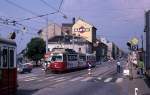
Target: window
{"x": 72, "y": 57}
{"x": 56, "y": 58}
{"x": 82, "y": 58}
{"x": 11, "y": 56}
{"x": 5, "y": 61}
{"x": 64, "y": 57}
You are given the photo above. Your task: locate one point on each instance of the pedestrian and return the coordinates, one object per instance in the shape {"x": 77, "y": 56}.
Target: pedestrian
{"x": 118, "y": 67}
{"x": 130, "y": 66}
{"x": 141, "y": 67}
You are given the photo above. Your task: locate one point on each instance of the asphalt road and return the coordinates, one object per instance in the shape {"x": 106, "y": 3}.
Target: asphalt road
{"x": 103, "y": 81}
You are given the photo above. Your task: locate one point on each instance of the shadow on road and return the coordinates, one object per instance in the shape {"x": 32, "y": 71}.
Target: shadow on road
{"x": 26, "y": 92}
{"x": 147, "y": 81}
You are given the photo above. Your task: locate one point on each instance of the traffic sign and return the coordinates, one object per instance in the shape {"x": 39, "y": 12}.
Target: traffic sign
{"x": 134, "y": 41}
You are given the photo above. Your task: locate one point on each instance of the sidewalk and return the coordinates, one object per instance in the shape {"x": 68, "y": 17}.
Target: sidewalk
{"x": 143, "y": 85}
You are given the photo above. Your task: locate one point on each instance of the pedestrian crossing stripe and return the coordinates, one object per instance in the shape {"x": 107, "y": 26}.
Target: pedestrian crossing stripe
{"x": 82, "y": 79}
{"x": 119, "y": 80}
{"x": 108, "y": 79}
{"x": 86, "y": 79}
{"x": 99, "y": 78}
{"x": 31, "y": 79}
{"x": 46, "y": 78}
{"x": 77, "y": 78}
{"x": 27, "y": 76}
{"x": 59, "y": 78}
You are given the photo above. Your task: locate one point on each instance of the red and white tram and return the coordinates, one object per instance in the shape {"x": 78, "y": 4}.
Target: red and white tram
{"x": 67, "y": 59}
{"x": 8, "y": 68}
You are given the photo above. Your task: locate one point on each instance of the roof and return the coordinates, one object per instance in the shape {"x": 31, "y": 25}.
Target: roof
{"x": 63, "y": 50}
{"x": 86, "y": 22}
{"x": 67, "y": 24}
{"x": 67, "y": 39}
{"x": 8, "y": 41}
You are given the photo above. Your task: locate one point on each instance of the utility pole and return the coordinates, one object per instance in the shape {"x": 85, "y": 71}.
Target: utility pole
{"x": 47, "y": 34}
{"x": 142, "y": 41}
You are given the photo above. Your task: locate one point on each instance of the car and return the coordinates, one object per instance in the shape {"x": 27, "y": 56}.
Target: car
{"x": 24, "y": 67}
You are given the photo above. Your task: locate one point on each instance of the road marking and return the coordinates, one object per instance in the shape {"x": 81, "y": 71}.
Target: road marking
{"x": 119, "y": 80}
{"x": 26, "y": 76}
{"x": 30, "y": 79}
{"x": 86, "y": 79}
{"x": 99, "y": 78}
{"x": 46, "y": 78}
{"x": 108, "y": 80}
{"x": 60, "y": 80}
{"x": 102, "y": 70}
{"x": 75, "y": 79}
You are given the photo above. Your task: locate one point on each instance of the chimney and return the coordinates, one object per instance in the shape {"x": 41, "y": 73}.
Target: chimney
{"x": 73, "y": 20}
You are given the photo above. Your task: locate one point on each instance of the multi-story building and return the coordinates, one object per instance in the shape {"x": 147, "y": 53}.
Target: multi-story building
{"x": 146, "y": 44}
{"x": 79, "y": 44}
{"x": 50, "y": 31}
{"x": 67, "y": 27}
{"x": 83, "y": 29}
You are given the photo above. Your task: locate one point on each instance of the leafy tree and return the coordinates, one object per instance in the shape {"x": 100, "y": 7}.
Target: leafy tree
{"x": 36, "y": 49}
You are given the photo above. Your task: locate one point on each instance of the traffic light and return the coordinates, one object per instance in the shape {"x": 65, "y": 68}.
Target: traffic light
{"x": 132, "y": 47}
{"x": 128, "y": 44}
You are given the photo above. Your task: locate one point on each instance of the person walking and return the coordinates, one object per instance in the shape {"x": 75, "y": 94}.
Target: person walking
{"x": 118, "y": 67}
{"x": 140, "y": 67}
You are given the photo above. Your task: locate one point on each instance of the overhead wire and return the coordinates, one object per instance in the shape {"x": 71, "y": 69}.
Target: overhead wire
{"x": 20, "y": 7}
{"x": 58, "y": 10}
{"x": 61, "y": 4}
{"x": 29, "y": 11}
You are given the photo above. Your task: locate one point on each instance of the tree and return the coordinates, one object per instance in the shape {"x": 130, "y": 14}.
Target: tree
{"x": 36, "y": 49}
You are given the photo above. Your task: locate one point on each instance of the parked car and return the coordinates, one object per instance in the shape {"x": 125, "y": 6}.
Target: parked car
{"x": 25, "y": 67}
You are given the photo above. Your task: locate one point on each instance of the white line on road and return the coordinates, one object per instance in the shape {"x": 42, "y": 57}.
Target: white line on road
{"x": 102, "y": 70}
{"x": 26, "y": 76}
{"x": 119, "y": 80}
{"x": 61, "y": 80}
{"x": 30, "y": 79}
{"x": 46, "y": 78}
{"x": 75, "y": 79}
{"x": 99, "y": 78}
{"x": 86, "y": 79}
{"x": 108, "y": 80}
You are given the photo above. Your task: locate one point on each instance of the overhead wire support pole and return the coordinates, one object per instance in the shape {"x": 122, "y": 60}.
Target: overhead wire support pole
{"x": 46, "y": 34}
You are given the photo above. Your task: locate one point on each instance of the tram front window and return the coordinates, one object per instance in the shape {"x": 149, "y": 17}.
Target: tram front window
{"x": 11, "y": 58}
{"x": 56, "y": 58}
{"x": 5, "y": 63}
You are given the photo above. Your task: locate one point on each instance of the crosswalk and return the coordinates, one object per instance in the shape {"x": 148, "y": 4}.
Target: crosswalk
{"x": 74, "y": 79}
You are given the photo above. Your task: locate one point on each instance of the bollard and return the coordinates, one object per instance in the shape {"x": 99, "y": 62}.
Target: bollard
{"x": 89, "y": 71}
{"x": 136, "y": 91}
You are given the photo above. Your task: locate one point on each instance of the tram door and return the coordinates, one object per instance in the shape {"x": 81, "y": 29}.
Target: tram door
{"x": 8, "y": 72}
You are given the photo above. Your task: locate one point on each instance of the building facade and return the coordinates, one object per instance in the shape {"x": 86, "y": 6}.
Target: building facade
{"x": 79, "y": 44}
{"x": 52, "y": 30}
{"x": 83, "y": 29}
{"x": 101, "y": 52}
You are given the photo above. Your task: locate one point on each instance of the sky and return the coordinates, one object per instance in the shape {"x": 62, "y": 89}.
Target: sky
{"x": 117, "y": 20}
